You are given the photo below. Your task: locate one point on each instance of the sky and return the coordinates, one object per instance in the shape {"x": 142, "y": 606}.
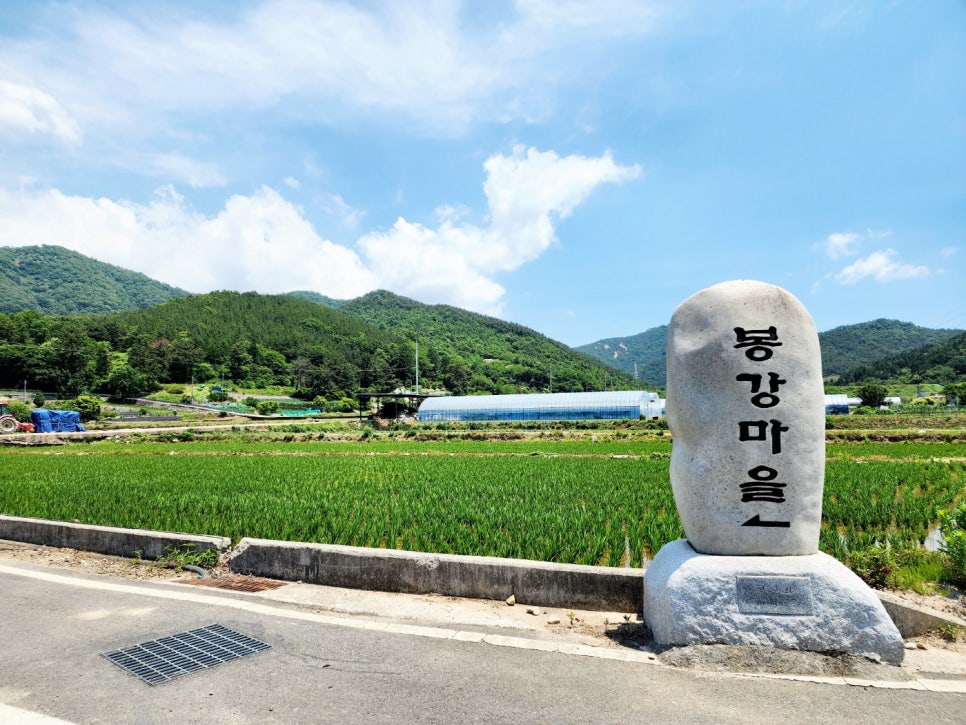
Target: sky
{"x": 580, "y": 168}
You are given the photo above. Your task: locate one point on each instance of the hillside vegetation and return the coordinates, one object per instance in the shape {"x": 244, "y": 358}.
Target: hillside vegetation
{"x": 57, "y": 281}
{"x": 943, "y": 362}
{"x": 258, "y": 340}
{"x": 477, "y": 353}
{"x": 644, "y": 354}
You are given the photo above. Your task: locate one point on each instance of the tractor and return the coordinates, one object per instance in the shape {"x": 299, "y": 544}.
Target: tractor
{"x": 9, "y": 424}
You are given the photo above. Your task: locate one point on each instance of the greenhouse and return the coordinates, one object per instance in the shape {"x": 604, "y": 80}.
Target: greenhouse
{"x": 609, "y": 405}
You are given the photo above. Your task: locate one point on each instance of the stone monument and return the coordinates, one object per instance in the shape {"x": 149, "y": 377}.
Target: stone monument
{"x": 745, "y": 404}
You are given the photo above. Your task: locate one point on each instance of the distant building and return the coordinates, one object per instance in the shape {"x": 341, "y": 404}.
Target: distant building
{"x": 839, "y": 404}
{"x": 608, "y": 405}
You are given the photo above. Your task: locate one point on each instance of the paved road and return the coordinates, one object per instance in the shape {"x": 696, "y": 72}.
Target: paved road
{"x": 325, "y": 667}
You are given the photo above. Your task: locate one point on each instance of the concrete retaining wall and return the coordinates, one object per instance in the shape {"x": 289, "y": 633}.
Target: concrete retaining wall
{"x": 481, "y": 577}
{"x": 388, "y": 570}
{"x": 105, "y": 539}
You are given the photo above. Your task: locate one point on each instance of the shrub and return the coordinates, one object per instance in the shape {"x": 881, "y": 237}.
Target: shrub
{"x": 874, "y": 566}
{"x": 20, "y": 411}
{"x": 39, "y": 399}
{"x": 217, "y": 396}
{"x": 267, "y": 407}
{"x": 88, "y": 406}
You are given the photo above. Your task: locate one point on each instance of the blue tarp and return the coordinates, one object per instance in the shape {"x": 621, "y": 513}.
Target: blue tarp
{"x": 55, "y": 421}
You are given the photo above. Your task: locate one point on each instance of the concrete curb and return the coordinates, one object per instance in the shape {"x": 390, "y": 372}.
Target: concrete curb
{"x": 105, "y": 539}
{"x": 912, "y": 620}
{"x": 479, "y": 577}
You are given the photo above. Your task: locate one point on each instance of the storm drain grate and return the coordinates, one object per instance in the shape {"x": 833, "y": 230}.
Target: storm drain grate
{"x": 166, "y": 658}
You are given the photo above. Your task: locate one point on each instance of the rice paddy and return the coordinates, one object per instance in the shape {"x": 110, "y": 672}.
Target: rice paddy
{"x": 583, "y": 501}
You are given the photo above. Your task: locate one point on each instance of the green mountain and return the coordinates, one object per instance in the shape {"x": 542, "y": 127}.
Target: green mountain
{"x": 57, "y": 281}
{"x": 643, "y": 356}
{"x": 843, "y": 348}
{"x": 943, "y": 362}
{"x": 470, "y": 352}
{"x": 852, "y": 346}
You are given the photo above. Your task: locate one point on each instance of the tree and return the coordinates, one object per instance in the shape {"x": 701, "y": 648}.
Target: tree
{"x": 955, "y": 393}
{"x": 183, "y": 354}
{"x": 872, "y": 395}
{"x": 126, "y": 382}
{"x": 88, "y": 406}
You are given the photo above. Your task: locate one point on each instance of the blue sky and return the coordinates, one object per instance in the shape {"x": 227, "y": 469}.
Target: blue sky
{"x": 577, "y": 167}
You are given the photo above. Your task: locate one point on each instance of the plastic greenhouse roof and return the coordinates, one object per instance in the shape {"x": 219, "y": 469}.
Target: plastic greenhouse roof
{"x": 609, "y": 398}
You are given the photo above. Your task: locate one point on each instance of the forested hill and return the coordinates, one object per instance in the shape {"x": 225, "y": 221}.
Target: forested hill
{"x": 644, "y": 354}
{"x": 258, "y": 340}
{"x": 485, "y": 353}
{"x": 944, "y": 362}
{"x": 56, "y": 281}
{"x": 843, "y": 348}
{"x": 851, "y": 346}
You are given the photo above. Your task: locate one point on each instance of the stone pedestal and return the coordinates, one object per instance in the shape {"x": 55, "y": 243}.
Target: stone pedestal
{"x": 809, "y": 602}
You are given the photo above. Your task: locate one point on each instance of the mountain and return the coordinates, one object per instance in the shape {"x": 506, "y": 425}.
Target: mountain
{"x": 57, "y": 281}
{"x": 485, "y": 354}
{"x": 943, "y": 362}
{"x": 843, "y": 348}
{"x": 851, "y": 346}
{"x": 643, "y": 356}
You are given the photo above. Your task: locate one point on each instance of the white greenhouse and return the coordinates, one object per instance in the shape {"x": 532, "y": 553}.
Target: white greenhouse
{"x": 608, "y": 405}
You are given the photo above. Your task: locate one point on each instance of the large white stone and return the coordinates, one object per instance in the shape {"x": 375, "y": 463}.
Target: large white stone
{"x": 808, "y": 602}
{"x": 745, "y": 404}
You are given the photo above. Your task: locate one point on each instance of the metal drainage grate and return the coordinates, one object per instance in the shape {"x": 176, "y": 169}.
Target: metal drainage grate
{"x": 235, "y": 583}
{"x": 164, "y": 659}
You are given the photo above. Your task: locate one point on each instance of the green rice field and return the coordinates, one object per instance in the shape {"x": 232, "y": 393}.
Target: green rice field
{"x": 581, "y": 501}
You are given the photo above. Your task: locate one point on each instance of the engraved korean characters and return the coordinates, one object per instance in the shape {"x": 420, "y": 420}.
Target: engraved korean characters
{"x": 746, "y": 410}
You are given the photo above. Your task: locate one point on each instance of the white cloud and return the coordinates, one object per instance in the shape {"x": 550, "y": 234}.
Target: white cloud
{"x": 259, "y": 242}
{"x": 526, "y": 192}
{"x": 30, "y": 110}
{"x": 842, "y": 244}
{"x": 336, "y": 206}
{"x": 145, "y": 67}
{"x": 263, "y": 242}
{"x": 881, "y": 266}
{"x": 846, "y": 244}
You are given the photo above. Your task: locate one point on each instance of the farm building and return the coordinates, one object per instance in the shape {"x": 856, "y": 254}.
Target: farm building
{"x": 609, "y": 405}
{"x": 838, "y": 404}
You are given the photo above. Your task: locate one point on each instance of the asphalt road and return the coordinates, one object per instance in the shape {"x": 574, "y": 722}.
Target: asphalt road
{"x": 323, "y": 667}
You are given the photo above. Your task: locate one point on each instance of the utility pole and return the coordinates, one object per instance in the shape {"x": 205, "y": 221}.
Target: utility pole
{"x": 417, "y": 368}
{"x": 551, "y": 380}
